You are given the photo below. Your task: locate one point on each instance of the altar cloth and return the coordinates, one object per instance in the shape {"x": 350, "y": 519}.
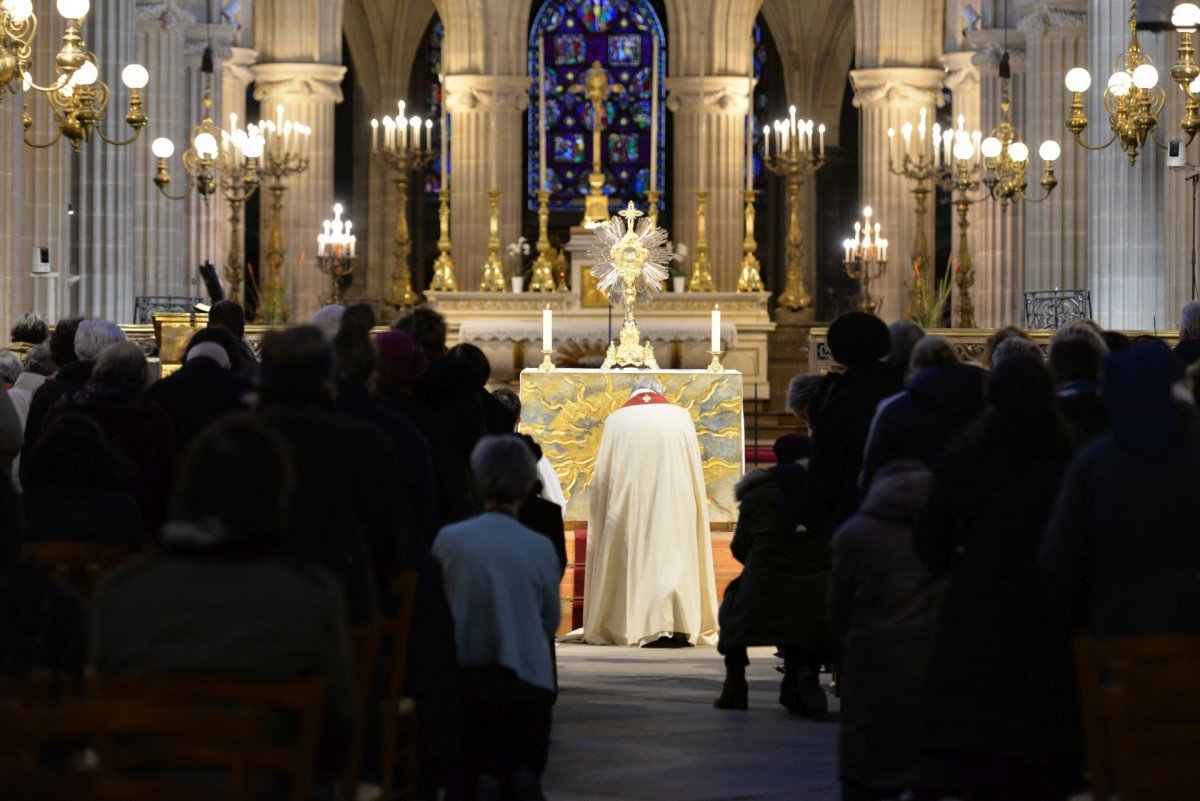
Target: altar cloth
{"x": 594, "y": 332}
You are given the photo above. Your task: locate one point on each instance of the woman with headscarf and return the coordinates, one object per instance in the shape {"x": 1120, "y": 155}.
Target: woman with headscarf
{"x": 998, "y": 691}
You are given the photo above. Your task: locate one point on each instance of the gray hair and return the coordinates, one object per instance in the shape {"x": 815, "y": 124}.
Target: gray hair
{"x": 801, "y": 391}
{"x": 93, "y": 336}
{"x": 651, "y": 383}
{"x": 1189, "y": 318}
{"x": 124, "y": 365}
{"x": 1083, "y": 330}
{"x": 931, "y": 352}
{"x": 10, "y": 366}
{"x": 1016, "y": 348}
{"x": 328, "y": 319}
{"x": 504, "y": 469}
{"x": 905, "y": 335}
{"x": 40, "y": 361}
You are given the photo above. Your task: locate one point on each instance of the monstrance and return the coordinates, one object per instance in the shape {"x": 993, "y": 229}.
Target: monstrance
{"x": 631, "y": 260}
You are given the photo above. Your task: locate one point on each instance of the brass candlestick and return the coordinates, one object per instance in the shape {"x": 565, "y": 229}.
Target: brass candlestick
{"x": 866, "y": 260}
{"x": 750, "y": 276}
{"x": 795, "y": 165}
{"x": 278, "y": 166}
{"x": 547, "y": 365}
{"x": 597, "y": 88}
{"x": 444, "y": 279}
{"x": 337, "y": 267}
{"x": 715, "y": 365}
{"x": 701, "y": 279}
{"x": 652, "y": 196}
{"x": 964, "y": 277}
{"x": 237, "y": 188}
{"x": 493, "y": 267}
{"x": 402, "y": 156}
{"x": 542, "y": 279}
{"x": 925, "y": 174}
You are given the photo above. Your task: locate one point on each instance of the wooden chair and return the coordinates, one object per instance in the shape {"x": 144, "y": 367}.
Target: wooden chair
{"x": 1141, "y": 716}
{"x": 364, "y": 641}
{"x": 79, "y": 564}
{"x": 399, "y": 712}
{"x": 290, "y": 752}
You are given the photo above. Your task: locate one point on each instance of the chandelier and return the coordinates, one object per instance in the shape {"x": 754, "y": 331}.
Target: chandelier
{"x": 18, "y": 25}
{"x": 78, "y": 97}
{"x": 1006, "y": 157}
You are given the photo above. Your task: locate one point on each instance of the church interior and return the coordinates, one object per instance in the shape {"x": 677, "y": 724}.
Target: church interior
{"x": 803, "y": 218}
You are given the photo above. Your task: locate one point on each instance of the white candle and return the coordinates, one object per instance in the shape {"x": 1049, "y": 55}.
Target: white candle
{"x": 703, "y": 137}
{"x": 547, "y": 329}
{"x": 374, "y": 134}
{"x": 428, "y": 135}
{"x": 495, "y": 103}
{"x": 821, "y": 134}
{"x": 891, "y": 144}
{"x": 653, "y": 112}
{"x": 495, "y": 149}
{"x": 541, "y": 78}
{"x": 792, "y": 117}
{"x": 749, "y": 152}
{"x": 444, "y": 133}
{"x": 766, "y": 142}
{"x": 716, "y": 329}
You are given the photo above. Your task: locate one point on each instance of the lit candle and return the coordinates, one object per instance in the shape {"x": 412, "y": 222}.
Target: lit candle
{"x": 906, "y": 132}
{"x": 937, "y": 143}
{"x": 416, "y": 132}
{"x": 766, "y": 142}
{"x": 541, "y": 78}
{"x": 857, "y": 233}
{"x": 783, "y": 141}
{"x": 428, "y": 135}
{"x": 921, "y": 125}
{"x": 792, "y": 117}
{"x": 821, "y": 134}
{"x": 374, "y": 134}
{"x": 848, "y": 246}
{"x": 547, "y": 329}
{"x": 716, "y": 329}
{"x": 653, "y": 112}
{"x": 891, "y": 144}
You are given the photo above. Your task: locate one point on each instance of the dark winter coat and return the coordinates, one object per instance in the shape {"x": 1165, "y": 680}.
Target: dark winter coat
{"x": 840, "y": 435}
{"x": 1083, "y": 408}
{"x": 68, "y": 380}
{"x": 779, "y": 599}
{"x": 925, "y": 419}
{"x": 883, "y": 607}
{"x": 196, "y": 394}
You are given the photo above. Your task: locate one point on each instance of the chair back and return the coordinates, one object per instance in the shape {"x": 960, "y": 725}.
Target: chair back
{"x": 1141, "y": 716}
{"x": 290, "y": 708}
{"x": 364, "y": 642}
{"x": 397, "y": 709}
{"x": 79, "y": 564}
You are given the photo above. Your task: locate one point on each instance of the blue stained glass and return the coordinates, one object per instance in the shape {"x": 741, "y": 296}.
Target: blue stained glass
{"x": 432, "y": 180}
{"x": 620, "y": 34}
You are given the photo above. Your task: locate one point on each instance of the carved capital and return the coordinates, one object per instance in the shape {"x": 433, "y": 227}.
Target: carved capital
{"x": 165, "y": 13}
{"x": 961, "y": 72}
{"x": 199, "y": 37}
{"x": 718, "y": 94}
{"x": 486, "y": 93}
{"x": 322, "y": 81}
{"x": 897, "y": 86}
{"x": 1040, "y": 18}
{"x": 987, "y": 58}
{"x": 239, "y": 65}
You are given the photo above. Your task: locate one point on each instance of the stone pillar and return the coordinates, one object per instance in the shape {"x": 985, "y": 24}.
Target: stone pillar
{"x": 1125, "y": 201}
{"x": 1057, "y": 240}
{"x": 308, "y": 93}
{"x": 160, "y": 259}
{"x": 888, "y": 97}
{"x": 105, "y": 191}
{"x": 15, "y": 297}
{"x": 724, "y": 102}
{"x": 473, "y": 101}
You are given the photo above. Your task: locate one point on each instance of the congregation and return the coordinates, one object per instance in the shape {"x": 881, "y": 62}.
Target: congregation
{"x": 939, "y": 541}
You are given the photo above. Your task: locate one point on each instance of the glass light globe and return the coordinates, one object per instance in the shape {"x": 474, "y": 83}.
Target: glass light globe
{"x": 1078, "y": 80}
{"x": 135, "y": 76}
{"x": 1049, "y": 151}
{"x": 74, "y": 9}
{"x": 206, "y": 145}
{"x": 990, "y": 147}
{"x": 1018, "y": 151}
{"x": 1186, "y": 17}
{"x": 1119, "y": 83}
{"x": 963, "y": 149}
{"x": 1145, "y": 76}
{"x": 86, "y": 75}
{"x": 162, "y": 148}
{"x": 18, "y": 10}
{"x": 254, "y": 147}
{"x": 867, "y": 212}
{"x": 1194, "y": 86}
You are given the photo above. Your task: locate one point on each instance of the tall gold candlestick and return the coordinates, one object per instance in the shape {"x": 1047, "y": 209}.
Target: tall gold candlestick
{"x": 277, "y": 165}
{"x": 542, "y": 279}
{"x": 596, "y": 88}
{"x": 493, "y": 267}
{"x": 444, "y": 279}
{"x": 795, "y": 164}
{"x": 401, "y": 154}
{"x": 401, "y": 292}
{"x": 750, "y": 275}
{"x": 701, "y": 279}
{"x": 652, "y": 196}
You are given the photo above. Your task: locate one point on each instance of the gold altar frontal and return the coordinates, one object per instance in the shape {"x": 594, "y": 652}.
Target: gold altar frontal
{"x": 565, "y": 410}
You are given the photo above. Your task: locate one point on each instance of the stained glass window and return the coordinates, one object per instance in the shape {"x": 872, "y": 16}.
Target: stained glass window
{"x": 433, "y": 99}
{"x": 620, "y": 34}
{"x": 759, "y": 108}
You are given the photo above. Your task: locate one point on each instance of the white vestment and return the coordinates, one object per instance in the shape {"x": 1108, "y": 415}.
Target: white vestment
{"x": 649, "y": 557}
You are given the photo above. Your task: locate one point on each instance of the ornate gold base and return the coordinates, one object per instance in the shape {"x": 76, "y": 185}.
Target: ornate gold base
{"x": 750, "y": 278}
{"x": 547, "y": 365}
{"x": 542, "y": 279}
{"x": 443, "y": 275}
{"x": 630, "y": 352}
{"x": 715, "y": 365}
{"x": 493, "y": 275}
{"x": 595, "y": 211}
{"x": 401, "y": 294}
{"x": 701, "y": 279}
{"x": 794, "y": 296}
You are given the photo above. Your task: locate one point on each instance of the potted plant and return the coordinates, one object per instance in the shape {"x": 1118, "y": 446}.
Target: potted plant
{"x": 517, "y": 251}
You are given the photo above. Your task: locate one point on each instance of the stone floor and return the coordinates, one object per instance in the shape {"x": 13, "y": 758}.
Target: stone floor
{"x": 640, "y": 724}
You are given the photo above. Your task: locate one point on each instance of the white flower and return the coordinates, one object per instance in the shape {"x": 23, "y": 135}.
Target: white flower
{"x": 680, "y": 253}
{"x": 519, "y": 248}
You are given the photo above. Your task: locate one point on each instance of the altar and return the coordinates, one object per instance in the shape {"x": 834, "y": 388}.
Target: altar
{"x": 565, "y": 410}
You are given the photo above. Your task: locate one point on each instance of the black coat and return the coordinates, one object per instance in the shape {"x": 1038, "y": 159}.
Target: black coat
{"x": 196, "y": 394}
{"x": 840, "y": 435}
{"x": 1083, "y": 408}
{"x": 926, "y": 418}
{"x": 68, "y": 380}
{"x": 545, "y": 517}
{"x": 1188, "y": 351}
{"x": 779, "y": 599}
{"x": 999, "y": 682}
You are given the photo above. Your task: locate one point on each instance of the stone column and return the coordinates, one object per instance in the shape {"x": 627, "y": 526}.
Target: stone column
{"x": 473, "y": 101}
{"x": 308, "y": 93}
{"x": 160, "y": 258}
{"x": 1057, "y": 240}
{"x": 105, "y": 191}
{"x": 15, "y": 297}
{"x": 889, "y": 97}
{"x": 1125, "y": 201}
{"x": 723, "y": 102}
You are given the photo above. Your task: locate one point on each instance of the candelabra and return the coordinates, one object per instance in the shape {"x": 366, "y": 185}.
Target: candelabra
{"x": 963, "y": 184}
{"x": 285, "y": 153}
{"x": 795, "y": 159}
{"x": 542, "y": 278}
{"x": 493, "y": 267}
{"x": 237, "y": 188}
{"x": 750, "y": 275}
{"x": 1006, "y": 157}
{"x": 18, "y": 26}
{"x": 336, "y": 252}
{"x": 402, "y": 154}
{"x": 701, "y": 277}
{"x": 866, "y": 260}
{"x": 77, "y": 96}
{"x": 444, "y": 279}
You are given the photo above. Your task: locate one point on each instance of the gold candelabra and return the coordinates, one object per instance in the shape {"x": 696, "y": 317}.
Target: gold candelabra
{"x": 542, "y": 278}
{"x": 866, "y": 260}
{"x": 444, "y": 279}
{"x": 285, "y": 153}
{"x": 1006, "y": 157}
{"x": 701, "y": 278}
{"x": 750, "y": 275}
{"x": 493, "y": 267}
{"x": 336, "y": 255}
{"x": 402, "y": 154}
{"x": 795, "y": 159}
{"x": 18, "y": 27}
{"x": 963, "y": 184}
{"x": 596, "y": 87}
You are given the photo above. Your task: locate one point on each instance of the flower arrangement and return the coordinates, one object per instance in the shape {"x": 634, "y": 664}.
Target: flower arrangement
{"x": 679, "y": 253}
{"x": 929, "y": 302}
{"x": 517, "y": 251}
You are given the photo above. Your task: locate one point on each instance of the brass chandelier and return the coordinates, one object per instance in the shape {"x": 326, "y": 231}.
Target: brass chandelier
{"x": 18, "y": 26}
{"x": 1006, "y": 157}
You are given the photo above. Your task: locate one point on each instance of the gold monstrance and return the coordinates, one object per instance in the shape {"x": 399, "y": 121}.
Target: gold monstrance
{"x": 630, "y": 263}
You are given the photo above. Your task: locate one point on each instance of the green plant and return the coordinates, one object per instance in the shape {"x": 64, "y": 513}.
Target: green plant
{"x": 929, "y": 302}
